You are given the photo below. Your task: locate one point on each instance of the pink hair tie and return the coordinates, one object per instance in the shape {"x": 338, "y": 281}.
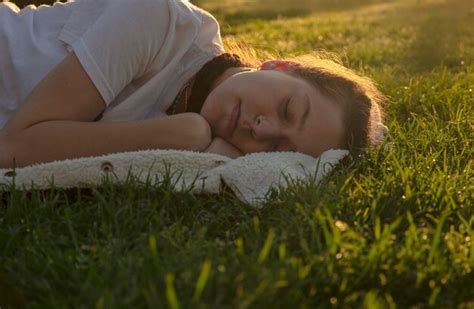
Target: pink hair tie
{"x": 280, "y": 65}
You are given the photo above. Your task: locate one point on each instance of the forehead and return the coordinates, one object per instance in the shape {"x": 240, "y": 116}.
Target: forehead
{"x": 280, "y": 77}
{"x": 270, "y": 79}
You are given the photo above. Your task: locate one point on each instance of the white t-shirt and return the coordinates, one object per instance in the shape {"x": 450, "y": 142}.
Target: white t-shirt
{"x": 137, "y": 53}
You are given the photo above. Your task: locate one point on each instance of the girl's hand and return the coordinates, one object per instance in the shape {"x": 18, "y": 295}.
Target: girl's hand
{"x": 220, "y": 146}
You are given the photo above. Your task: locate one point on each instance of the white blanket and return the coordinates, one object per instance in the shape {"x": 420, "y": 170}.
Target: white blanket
{"x": 250, "y": 177}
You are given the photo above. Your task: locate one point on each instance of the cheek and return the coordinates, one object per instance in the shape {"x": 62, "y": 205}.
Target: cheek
{"x": 211, "y": 108}
{"x": 215, "y": 108}
{"x": 207, "y": 108}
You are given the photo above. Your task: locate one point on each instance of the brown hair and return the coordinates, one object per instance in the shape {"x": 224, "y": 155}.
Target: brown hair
{"x": 358, "y": 95}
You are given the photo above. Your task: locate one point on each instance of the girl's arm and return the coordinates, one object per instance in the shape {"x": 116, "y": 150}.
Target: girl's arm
{"x": 56, "y": 122}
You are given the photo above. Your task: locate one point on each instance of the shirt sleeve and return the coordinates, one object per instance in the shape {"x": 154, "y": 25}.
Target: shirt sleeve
{"x": 122, "y": 43}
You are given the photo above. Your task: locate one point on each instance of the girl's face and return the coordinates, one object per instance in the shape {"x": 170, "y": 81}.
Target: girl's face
{"x": 262, "y": 111}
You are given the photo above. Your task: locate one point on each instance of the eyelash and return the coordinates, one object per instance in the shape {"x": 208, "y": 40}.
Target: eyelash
{"x": 286, "y": 112}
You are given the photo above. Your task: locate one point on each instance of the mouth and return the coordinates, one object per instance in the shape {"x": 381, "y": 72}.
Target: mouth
{"x": 234, "y": 118}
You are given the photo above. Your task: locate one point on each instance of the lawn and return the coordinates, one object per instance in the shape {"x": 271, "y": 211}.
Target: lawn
{"x": 392, "y": 228}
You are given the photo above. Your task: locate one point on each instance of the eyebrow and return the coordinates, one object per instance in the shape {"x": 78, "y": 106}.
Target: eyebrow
{"x": 305, "y": 114}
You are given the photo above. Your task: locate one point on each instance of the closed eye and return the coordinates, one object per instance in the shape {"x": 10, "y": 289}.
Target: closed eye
{"x": 287, "y": 113}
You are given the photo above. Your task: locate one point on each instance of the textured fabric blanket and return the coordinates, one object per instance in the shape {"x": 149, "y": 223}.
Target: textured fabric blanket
{"x": 250, "y": 177}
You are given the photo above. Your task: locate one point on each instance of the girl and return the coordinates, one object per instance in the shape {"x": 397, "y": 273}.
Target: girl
{"x": 92, "y": 77}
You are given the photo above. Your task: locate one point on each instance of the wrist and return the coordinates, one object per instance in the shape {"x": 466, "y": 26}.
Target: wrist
{"x": 192, "y": 132}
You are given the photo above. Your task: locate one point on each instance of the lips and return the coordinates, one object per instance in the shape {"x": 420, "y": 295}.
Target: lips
{"x": 234, "y": 117}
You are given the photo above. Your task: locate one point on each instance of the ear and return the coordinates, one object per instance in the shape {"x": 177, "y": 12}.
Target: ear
{"x": 380, "y": 131}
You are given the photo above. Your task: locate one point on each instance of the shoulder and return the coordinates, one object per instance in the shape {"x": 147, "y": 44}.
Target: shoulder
{"x": 182, "y": 11}
{"x": 183, "y": 17}
{"x": 126, "y": 11}
{"x": 180, "y": 14}
{"x": 139, "y": 8}
{"x": 208, "y": 37}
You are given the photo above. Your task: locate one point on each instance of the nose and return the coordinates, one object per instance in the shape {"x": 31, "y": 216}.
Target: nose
{"x": 264, "y": 129}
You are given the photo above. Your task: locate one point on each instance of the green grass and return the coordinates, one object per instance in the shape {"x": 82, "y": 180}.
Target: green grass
{"x": 393, "y": 228}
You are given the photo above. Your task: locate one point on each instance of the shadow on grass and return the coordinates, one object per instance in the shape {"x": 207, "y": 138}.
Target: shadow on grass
{"x": 10, "y": 297}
